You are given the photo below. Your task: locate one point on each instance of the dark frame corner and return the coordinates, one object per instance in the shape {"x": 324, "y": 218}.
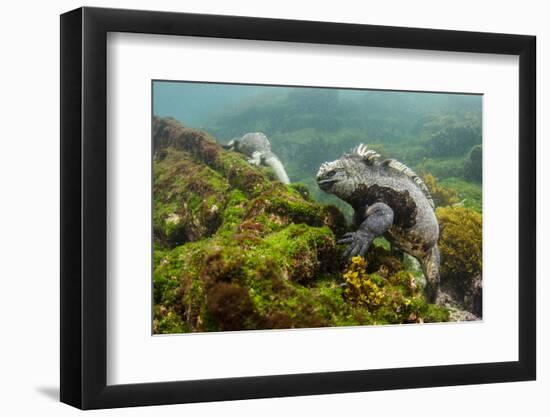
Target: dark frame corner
{"x": 83, "y": 207}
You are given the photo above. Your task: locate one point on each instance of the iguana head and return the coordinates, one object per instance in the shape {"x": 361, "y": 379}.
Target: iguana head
{"x": 340, "y": 177}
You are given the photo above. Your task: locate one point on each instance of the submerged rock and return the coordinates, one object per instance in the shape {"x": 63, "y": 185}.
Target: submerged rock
{"x": 461, "y": 257}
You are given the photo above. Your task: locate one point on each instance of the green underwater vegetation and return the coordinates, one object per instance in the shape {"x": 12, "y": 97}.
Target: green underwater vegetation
{"x": 235, "y": 249}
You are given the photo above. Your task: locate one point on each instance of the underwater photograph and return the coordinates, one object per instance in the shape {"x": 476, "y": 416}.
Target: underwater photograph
{"x": 278, "y": 207}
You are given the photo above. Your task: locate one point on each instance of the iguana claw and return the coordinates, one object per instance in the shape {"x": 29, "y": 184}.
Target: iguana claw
{"x": 358, "y": 241}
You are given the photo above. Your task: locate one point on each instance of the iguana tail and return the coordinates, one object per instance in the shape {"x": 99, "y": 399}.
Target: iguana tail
{"x": 430, "y": 267}
{"x": 277, "y": 166}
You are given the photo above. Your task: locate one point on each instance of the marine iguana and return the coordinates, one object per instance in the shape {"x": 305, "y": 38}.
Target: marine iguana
{"x": 388, "y": 199}
{"x": 258, "y": 148}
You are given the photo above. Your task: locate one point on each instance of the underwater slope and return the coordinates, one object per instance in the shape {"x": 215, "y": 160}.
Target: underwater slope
{"x": 235, "y": 249}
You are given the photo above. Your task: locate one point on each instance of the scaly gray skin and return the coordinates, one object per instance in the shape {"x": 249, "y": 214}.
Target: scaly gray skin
{"x": 258, "y": 148}
{"x": 388, "y": 199}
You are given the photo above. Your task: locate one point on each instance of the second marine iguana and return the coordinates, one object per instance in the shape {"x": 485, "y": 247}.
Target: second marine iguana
{"x": 389, "y": 200}
{"x": 258, "y": 149}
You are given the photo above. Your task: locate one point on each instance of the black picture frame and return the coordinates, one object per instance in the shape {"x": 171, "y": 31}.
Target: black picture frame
{"x": 84, "y": 207}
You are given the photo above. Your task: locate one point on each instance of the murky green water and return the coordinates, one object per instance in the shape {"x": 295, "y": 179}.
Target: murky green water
{"x": 435, "y": 133}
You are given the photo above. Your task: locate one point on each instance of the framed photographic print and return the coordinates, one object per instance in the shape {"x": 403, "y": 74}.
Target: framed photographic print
{"x": 258, "y": 208}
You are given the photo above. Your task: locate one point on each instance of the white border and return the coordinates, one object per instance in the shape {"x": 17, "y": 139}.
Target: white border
{"x": 134, "y": 356}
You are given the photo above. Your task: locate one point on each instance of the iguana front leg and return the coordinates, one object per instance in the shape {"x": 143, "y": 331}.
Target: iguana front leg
{"x": 378, "y": 219}
{"x": 256, "y": 158}
{"x": 231, "y": 145}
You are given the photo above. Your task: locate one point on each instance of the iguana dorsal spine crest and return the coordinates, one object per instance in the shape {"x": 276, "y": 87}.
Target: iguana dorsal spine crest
{"x": 372, "y": 157}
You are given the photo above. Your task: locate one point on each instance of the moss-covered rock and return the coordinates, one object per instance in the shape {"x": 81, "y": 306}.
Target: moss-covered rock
{"x": 442, "y": 168}
{"x": 460, "y": 243}
{"x": 169, "y": 134}
{"x": 454, "y": 140}
{"x": 473, "y": 166}
{"x": 236, "y": 250}
{"x": 391, "y": 297}
{"x": 442, "y": 196}
{"x": 470, "y": 193}
{"x": 189, "y": 199}
{"x": 454, "y": 192}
